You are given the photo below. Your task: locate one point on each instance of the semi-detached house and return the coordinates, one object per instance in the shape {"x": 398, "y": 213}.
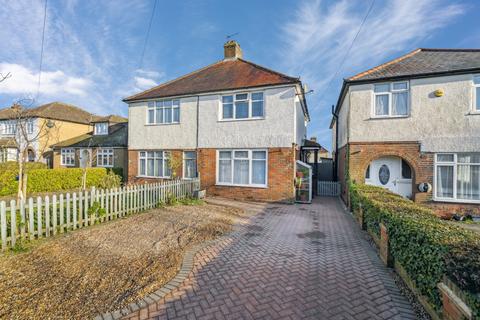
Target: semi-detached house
{"x": 237, "y": 125}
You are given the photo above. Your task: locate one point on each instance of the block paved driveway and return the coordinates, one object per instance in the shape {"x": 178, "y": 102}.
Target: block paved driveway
{"x": 288, "y": 262}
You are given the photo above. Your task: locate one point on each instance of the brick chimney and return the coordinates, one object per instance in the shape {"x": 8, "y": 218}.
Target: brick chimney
{"x": 232, "y": 50}
{"x": 314, "y": 139}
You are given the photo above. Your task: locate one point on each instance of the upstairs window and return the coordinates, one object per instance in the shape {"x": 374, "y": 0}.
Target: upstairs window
{"x": 9, "y": 127}
{"x": 163, "y": 112}
{"x": 476, "y": 87}
{"x": 30, "y": 126}
{"x": 101, "y": 128}
{"x": 243, "y": 106}
{"x": 391, "y": 99}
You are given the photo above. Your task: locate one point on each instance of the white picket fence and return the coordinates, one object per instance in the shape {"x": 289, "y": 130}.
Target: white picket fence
{"x": 47, "y": 216}
{"x": 328, "y": 188}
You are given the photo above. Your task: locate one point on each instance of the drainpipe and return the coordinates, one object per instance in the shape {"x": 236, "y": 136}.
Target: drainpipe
{"x": 335, "y": 161}
{"x": 197, "y": 135}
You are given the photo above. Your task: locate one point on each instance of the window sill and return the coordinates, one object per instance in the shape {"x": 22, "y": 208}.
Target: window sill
{"x": 241, "y": 185}
{"x": 460, "y": 201}
{"x": 67, "y": 165}
{"x": 473, "y": 113}
{"x": 161, "y": 124}
{"x": 388, "y": 117}
{"x": 149, "y": 177}
{"x": 243, "y": 119}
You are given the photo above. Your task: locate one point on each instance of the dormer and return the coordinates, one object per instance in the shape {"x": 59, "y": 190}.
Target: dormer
{"x": 100, "y": 128}
{"x": 101, "y": 125}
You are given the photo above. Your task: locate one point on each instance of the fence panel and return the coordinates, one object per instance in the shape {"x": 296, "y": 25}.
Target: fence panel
{"x": 328, "y": 188}
{"x": 46, "y": 216}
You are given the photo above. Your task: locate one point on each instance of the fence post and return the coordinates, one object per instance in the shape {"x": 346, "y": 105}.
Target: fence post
{"x": 68, "y": 212}
{"x": 54, "y": 213}
{"x": 3, "y": 224}
{"x": 62, "y": 213}
{"x": 74, "y": 210}
{"x": 22, "y": 219}
{"x": 13, "y": 222}
{"x": 39, "y": 218}
{"x": 31, "y": 225}
{"x": 47, "y": 216}
{"x": 85, "y": 209}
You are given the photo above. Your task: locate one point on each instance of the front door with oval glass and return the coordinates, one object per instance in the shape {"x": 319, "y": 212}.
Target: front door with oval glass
{"x": 392, "y": 173}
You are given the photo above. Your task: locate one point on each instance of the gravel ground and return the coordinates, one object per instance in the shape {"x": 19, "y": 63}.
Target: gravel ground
{"x": 103, "y": 268}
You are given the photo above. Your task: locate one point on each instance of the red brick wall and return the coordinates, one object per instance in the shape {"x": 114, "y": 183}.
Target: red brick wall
{"x": 281, "y": 170}
{"x": 422, "y": 164}
{"x": 341, "y": 171}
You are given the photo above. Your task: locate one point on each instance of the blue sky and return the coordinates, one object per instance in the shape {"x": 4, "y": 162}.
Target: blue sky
{"x": 93, "y": 48}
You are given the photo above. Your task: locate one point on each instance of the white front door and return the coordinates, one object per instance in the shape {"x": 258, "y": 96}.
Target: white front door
{"x": 386, "y": 172}
{"x": 85, "y": 158}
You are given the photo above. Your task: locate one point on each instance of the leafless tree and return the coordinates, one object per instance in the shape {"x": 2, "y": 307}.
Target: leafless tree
{"x": 5, "y": 77}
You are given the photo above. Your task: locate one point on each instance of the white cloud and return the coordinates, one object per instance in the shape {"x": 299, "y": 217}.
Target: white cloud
{"x": 316, "y": 39}
{"x": 24, "y": 81}
{"x": 144, "y": 83}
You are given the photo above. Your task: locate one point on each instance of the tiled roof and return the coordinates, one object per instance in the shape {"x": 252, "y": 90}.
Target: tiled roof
{"x": 7, "y": 142}
{"x": 423, "y": 62}
{"x": 111, "y": 119}
{"x": 227, "y": 74}
{"x": 55, "y": 111}
{"x": 117, "y": 137}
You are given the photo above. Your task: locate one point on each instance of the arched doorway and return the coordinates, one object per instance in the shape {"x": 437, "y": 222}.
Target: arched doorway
{"x": 31, "y": 155}
{"x": 392, "y": 173}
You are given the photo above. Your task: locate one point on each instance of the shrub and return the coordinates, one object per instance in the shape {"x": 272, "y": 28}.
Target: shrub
{"x": 427, "y": 247}
{"x": 49, "y": 180}
{"x": 110, "y": 180}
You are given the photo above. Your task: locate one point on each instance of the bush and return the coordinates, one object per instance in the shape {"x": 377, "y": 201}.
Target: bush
{"x": 427, "y": 247}
{"x": 49, "y": 180}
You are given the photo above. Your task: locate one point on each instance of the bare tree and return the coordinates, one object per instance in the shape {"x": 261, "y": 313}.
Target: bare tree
{"x": 5, "y": 77}
{"x": 27, "y": 133}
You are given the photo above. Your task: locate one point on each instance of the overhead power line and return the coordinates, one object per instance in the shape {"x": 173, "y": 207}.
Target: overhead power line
{"x": 41, "y": 50}
{"x": 148, "y": 34}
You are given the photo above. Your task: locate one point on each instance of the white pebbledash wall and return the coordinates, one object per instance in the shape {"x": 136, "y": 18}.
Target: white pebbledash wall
{"x": 282, "y": 125}
{"x": 440, "y": 124}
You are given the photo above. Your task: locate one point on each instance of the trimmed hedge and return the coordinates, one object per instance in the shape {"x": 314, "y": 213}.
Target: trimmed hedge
{"x": 49, "y": 180}
{"x": 427, "y": 247}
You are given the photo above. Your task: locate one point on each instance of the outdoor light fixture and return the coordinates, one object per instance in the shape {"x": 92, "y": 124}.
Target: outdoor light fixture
{"x": 439, "y": 93}
{"x": 50, "y": 124}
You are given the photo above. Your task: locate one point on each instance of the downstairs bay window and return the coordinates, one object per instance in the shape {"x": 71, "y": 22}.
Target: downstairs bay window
{"x": 457, "y": 177}
{"x": 154, "y": 164}
{"x": 242, "y": 168}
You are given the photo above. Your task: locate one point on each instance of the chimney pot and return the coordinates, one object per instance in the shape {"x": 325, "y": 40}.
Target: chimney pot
{"x": 232, "y": 50}
{"x": 314, "y": 139}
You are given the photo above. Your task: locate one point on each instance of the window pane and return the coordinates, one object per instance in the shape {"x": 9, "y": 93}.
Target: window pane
{"x": 241, "y": 154}
{"x": 382, "y": 88}
{"x": 367, "y": 174}
{"x": 257, "y": 109}
{"x": 189, "y": 154}
{"x": 468, "y": 182}
{"x": 142, "y": 154}
{"x": 225, "y": 171}
{"x": 241, "y": 110}
{"x": 159, "y": 118}
{"x": 142, "y": 167}
{"x": 477, "y": 95}
{"x": 227, "y": 99}
{"x": 240, "y": 171}
{"x": 190, "y": 168}
{"x": 151, "y": 118}
{"x": 150, "y": 167}
{"x": 257, "y": 96}
{"x": 168, "y": 115}
{"x": 259, "y": 170}
{"x": 445, "y": 181}
{"x": 225, "y": 154}
{"x": 242, "y": 96}
{"x": 228, "y": 111}
{"x": 406, "y": 171}
{"x": 400, "y": 103}
{"x": 381, "y": 105}
{"x": 176, "y": 115}
{"x": 259, "y": 155}
{"x": 468, "y": 157}
{"x": 176, "y": 103}
{"x": 167, "y": 171}
{"x": 445, "y": 157}
{"x": 400, "y": 86}
{"x": 476, "y": 79}
{"x": 158, "y": 167}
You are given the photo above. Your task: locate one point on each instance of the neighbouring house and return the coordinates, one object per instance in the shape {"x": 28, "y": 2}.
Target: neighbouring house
{"x": 104, "y": 146}
{"x": 45, "y": 125}
{"x": 412, "y": 125}
{"x": 238, "y": 124}
{"x": 319, "y": 158}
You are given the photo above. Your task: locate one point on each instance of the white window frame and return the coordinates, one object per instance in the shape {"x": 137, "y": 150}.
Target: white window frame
{"x": 152, "y": 106}
{"x": 165, "y": 156}
{"x": 9, "y": 127}
{"x": 475, "y": 109}
{"x": 390, "y": 99}
{"x": 105, "y": 152}
{"x": 250, "y": 106}
{"x": 250, "y": 163}
{"x": 183, "y": 164}
{"x": 453, "y": 164}
{"x": 67, "y": 153}
{"x": 104, "y": 131}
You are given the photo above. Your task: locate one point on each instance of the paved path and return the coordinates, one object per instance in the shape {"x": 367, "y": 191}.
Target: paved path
{"x": 289, "y": 262}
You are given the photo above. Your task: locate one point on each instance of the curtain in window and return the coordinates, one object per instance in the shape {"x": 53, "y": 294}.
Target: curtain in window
{"x": 225, "y": 167}
{"x": 381, "y": 105}
{"x": 477, "y": 95}
{"x": 241, "y": 109}
{"x": 445, "y": 181}
{"x": 468, "y": 182}
{"x": 400, "y": 103}
{"x": 259, "y": 169}
{"x": 240, "y": 173}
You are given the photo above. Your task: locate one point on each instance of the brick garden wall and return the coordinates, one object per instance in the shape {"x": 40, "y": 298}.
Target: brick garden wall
{"x": 281, "y": 170}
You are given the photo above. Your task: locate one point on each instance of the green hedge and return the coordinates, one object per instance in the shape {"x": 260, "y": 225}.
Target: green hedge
{"x": 427, "y": 247}
{"x": 49, "y": 180}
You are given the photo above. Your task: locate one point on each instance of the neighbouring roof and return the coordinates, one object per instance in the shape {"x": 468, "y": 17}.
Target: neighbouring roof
{"x": 117, "y": 137}
{"x": 424, "y": 62}
{"x": 111, "y": 119}
{"x": 55, "y": 111}
{"x": 313, "y": 144}
{"x": 420, "y": 63}
{"x": 227, "y": 74}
